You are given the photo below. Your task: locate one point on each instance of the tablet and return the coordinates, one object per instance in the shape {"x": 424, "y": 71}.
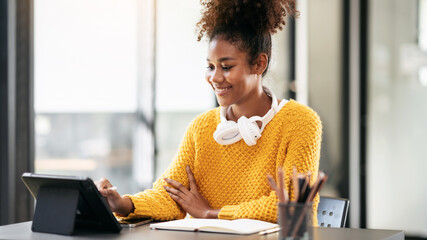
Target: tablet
{"x": 89, "y": 210}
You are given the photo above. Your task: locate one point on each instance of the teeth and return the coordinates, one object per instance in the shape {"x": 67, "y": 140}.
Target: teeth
{"x": 220, "y": 90}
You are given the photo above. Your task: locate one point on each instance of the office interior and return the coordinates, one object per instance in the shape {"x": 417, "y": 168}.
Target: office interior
{"x": 106, "y": 88}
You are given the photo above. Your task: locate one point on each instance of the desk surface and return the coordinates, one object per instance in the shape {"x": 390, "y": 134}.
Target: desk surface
{"x": 23, "y": 231}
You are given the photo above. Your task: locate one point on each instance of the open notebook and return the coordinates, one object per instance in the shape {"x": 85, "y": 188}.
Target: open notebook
{"x": 239, "y": 226}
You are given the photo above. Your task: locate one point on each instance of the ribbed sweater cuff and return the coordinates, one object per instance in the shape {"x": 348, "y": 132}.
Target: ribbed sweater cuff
{"x": 227, "y": 212}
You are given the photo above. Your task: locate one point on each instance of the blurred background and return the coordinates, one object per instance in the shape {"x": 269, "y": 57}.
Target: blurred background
{"x": 106, "y": 88}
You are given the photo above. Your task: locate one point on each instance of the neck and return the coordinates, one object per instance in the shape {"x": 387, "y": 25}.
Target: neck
{"x": 257, "y": 105}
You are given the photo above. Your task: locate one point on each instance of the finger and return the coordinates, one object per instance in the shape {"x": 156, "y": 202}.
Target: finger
{"x": 191, "y": 179}
{"x": 176, "y": 198}
{"x": 110, "y": 194}
{"x": 177, "y": 185}
{"x": 174, "y": 191}
{"x": 103, "y": 183}
{"x": 103, "y": 192}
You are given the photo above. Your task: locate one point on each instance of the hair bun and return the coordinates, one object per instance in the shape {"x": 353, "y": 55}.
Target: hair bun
{"x": 249, "y": 16}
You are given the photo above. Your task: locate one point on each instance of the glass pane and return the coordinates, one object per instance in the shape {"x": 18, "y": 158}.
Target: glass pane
{"x": 181, "y": 91}
{"x": 397, "y": 117}
{"x": 85, "y": 66}
{"x": 325, "y": 89}
{"x": 86, "y": 144}
{"x": 181, "y": 60}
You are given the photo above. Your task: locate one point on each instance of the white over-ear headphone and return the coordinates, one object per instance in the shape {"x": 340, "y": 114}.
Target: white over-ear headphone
{"x": 229, "y": 132}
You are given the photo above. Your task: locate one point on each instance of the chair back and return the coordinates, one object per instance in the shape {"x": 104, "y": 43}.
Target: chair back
{"x": 332, "y": 212}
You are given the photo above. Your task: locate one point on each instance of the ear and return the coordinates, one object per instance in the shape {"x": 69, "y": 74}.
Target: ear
{"x": 260, "y": 64}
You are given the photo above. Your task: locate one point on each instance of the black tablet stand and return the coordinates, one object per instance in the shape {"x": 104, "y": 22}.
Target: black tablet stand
{"x": 56, "y": 210}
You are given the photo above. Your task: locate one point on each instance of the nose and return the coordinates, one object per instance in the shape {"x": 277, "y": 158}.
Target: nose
{"x": 215, "y": 76}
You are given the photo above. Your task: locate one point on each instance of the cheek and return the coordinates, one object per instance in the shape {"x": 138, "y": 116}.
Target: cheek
{"x": 231, "y": 76}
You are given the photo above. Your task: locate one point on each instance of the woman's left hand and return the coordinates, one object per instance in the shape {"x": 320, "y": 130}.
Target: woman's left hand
{"x": 190, "y": 199}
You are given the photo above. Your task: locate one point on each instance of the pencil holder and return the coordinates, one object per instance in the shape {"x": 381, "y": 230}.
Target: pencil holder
{"x": 295, "y": 221}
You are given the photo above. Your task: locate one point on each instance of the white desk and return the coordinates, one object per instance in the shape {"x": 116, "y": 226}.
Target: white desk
{"x": 23, "y": 231}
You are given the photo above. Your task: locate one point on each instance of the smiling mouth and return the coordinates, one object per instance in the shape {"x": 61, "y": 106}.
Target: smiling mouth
{"x": 220, "y": 91}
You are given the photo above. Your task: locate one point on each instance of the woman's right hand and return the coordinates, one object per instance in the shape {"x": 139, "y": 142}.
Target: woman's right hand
{"x": 118, "y": 204}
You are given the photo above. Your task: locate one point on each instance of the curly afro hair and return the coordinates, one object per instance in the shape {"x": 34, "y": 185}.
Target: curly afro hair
{"x": 246, "y": 23}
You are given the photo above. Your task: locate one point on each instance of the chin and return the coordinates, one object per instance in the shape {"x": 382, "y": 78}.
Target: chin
{"x": 222, "y": 102}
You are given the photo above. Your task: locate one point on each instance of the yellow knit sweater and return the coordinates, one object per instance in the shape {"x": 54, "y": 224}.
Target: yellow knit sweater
{"x": 233, "y": 177}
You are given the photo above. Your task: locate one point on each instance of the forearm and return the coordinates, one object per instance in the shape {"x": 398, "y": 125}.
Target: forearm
{"x": 126, "y": 207}
{"x": 264, "y": 209}
{"x": 154, "y": 203}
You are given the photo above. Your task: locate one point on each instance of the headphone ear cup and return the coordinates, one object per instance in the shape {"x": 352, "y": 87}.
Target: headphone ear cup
{"x": 249, "y": 130}
{"x": 227, "y": 133}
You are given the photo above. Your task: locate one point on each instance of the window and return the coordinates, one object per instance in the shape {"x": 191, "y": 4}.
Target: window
{"x": 396, "y": 120}
{"x": 85, "y": 55}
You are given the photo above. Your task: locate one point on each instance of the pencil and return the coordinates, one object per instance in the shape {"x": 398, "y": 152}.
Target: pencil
{"x": 315, "y": 187}
{"x": 273, "y": 230}
{"x": 282, "y": 190}
{"x": 321, "y": 179}
{"x": 273, "y": 186}
{"x": 295, "y": 183}
{"x": 304, "y": 187}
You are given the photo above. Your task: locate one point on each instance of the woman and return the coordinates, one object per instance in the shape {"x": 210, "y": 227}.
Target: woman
{"x": 221, "y": 166}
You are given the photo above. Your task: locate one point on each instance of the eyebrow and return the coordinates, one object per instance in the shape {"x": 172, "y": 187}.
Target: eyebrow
{"x": 222, "y": 59}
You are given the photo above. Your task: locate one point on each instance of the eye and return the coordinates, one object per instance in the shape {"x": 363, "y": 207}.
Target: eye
{"x": 227, "y": 68}
{"x": 210, "y": 67}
